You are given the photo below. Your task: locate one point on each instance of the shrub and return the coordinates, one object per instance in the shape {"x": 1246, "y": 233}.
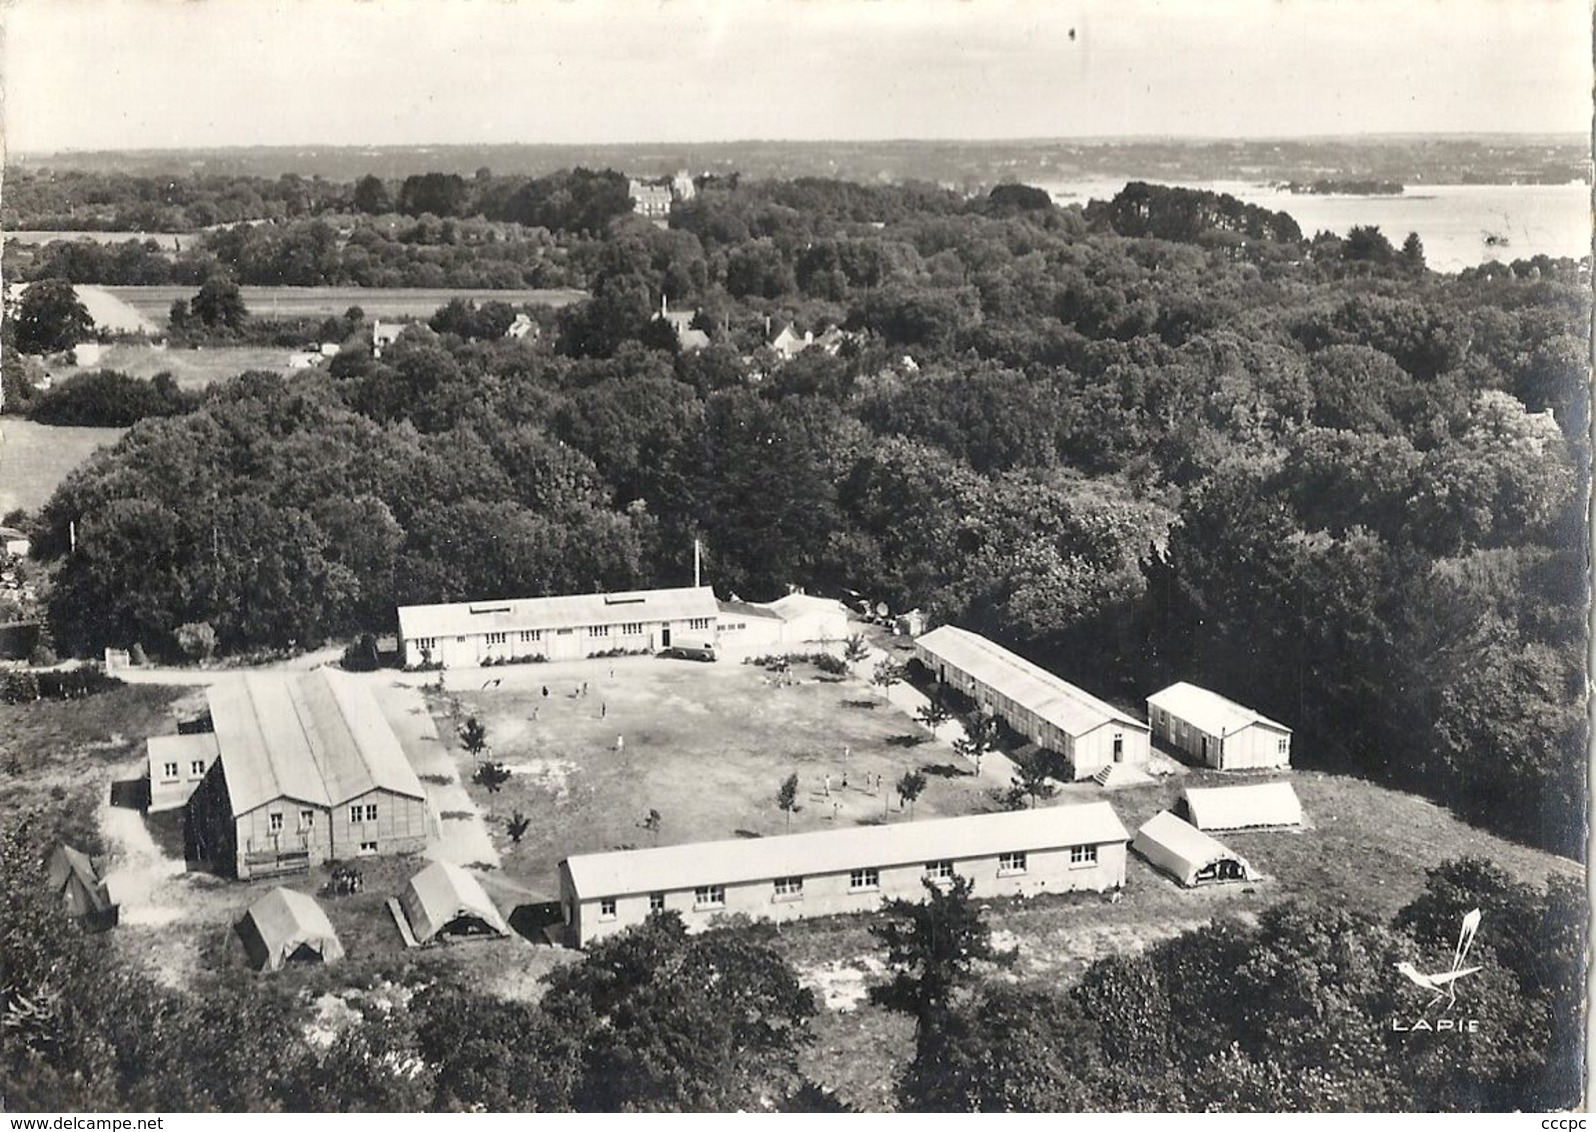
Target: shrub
{"x": 197, "y": 640}
{"x": 19, "y": 687}
{"x": 42, "y": 656}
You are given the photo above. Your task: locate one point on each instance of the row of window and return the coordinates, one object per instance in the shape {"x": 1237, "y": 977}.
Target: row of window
{"x": 196, "y": 769}
{"x": 307, "y": 818}
{"x": 529, "y": 636}
{"x": 867, "y": 879}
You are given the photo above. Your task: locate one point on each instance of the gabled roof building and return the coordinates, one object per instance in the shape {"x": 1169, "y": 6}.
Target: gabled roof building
{"x": 307, "y": 770}
{"x": 801, "y": 875}
{"x": 1218, "y": 732}
{"x": 1049, "y": 711}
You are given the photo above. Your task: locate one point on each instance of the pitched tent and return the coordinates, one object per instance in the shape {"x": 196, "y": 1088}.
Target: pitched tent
{"x": 288, "y": 927}
{"x": 1258, "y": 806}
{"x": 1187, "y": 853}
{"x": 75, "y": 881}
{"x": 444, "y": 900}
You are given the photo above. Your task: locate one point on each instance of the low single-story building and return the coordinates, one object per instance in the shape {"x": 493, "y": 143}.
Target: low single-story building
{"x": 307, "y": 771}
{"x": 444, "y": 902}
{"x": 286, "y": 927}
{"x": 797, "y": 622}
{"x": 1187, "y": 853}
{"x": 1048, "y": 711}
{"x": 13, "y": 541}
{"x": 801, "y": 875}
{"x": 1262, "y": 805}
{"x": 569, "y": 627}
{"x": 1217, "y": 732}
{"x": 73, "y": 878}
{"x": 178, "y": 764}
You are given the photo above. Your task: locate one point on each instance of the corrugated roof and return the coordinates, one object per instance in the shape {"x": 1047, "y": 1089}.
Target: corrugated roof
{"x": 628, "y": 871}
{"x": 569, "y": 611}
{"x": 286, "y": 920}
{"x": 440, "y": 894}
{"x": 1072, "y": 710}
{"x": 316, "y": 737}
{"x": 1243, "y": 807}
{"x": 1208, "y": 711}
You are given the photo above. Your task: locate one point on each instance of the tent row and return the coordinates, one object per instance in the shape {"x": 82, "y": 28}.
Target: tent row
{"x": 441, "y": 903}
{"x": 1177, "y": 842}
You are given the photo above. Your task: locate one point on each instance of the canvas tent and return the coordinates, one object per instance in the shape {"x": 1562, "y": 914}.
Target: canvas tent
{"x": 74, "y": 880}
{"x": 443, "y": 901}
{"x": 1187, "y": 853}
{"x": 288, "y": 927}
{"x": 1259, "y": 806}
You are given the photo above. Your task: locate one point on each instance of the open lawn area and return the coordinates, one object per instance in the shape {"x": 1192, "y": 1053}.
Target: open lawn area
{"x": 191, "y": 369}
{"x": 35, "y": 458}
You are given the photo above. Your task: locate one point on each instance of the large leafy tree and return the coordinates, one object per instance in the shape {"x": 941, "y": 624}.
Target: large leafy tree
{"x": 50, "y": 317}
{"x": 660, "y": 1020}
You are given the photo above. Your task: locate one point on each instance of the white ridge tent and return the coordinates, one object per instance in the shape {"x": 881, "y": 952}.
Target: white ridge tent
{"x": 288, "y": 927}
{"x": 1258, "y": 806}
{"x": 1187, "y": 853}
{"x": 443, "y": 901}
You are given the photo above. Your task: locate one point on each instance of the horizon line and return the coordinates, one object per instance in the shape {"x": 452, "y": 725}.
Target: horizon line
{"x": 1088, "y": 139}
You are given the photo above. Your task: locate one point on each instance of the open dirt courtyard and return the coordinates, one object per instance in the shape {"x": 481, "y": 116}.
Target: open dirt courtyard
{"x": 705, "y": 745}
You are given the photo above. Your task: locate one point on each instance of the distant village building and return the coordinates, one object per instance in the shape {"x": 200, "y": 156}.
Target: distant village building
{"x": 523, "y": 327}
{"x": 688, "y": 338}
{"x": 788, "y": 343}
{"x": 851, "y": 869}
{"x": 462, "y": 634}
{"x": 1188, "y": 854}
{"x": 649, "y": 199}
{"x": 385, "y": 334}
{"x": 13, "y": 541}
{"x": 1088, "y": 732}
{"x": 1217, "y": 732}
{"x": 682, "y": 187}
{"x": 307, "y": 770}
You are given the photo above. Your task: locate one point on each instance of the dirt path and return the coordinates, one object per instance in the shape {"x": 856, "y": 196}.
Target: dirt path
{"x": 144, "y": 881}
{"x": 461, "y": 833}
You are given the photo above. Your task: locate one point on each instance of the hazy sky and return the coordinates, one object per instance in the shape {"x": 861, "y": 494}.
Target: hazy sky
{"x": 153, "y": 73}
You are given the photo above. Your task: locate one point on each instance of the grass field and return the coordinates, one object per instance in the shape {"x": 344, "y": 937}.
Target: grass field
{"x": 192, "y": 369}
{"x": 155, "y": 303}
{"x": 35, "y": 458}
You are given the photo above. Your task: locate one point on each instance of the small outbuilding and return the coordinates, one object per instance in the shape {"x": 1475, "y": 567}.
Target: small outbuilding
{"x": 1187, "y": 853}
{"x": 444, "y": 902}
{"x": 286, "y": 927}
{"x": 1262, "y": 805}
{"x": 72, "y": 876}
{"x": 1217, "y": 732}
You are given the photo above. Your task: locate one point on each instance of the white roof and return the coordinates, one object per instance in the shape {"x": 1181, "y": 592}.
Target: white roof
{"x": 570, "y": 611}
{"x": 315, "y": 737}
{"x": 794, "y": 606}
{"x": 182, "y": 748}
{"x": 1179, "y": 847}
{"x": 442, "y": 893}
{"x": 1243, "y": 807}
{"x": 1072, "y": 710}
{"x": 1208, "y": 711}
{"x": 626, "y": 871}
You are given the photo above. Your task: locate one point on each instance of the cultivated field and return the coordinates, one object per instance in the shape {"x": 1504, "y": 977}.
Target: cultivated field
{"x": 35, "y": 458}
{"x": 155, "y": 303}
{"x": 167, "y": 241}
{"x": 191, "y": 368}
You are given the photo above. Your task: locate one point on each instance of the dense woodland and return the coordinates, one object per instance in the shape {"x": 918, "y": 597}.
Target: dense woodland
{"x": 1164, "y": 437}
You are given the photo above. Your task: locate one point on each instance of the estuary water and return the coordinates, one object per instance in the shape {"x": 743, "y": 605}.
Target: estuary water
{"x": 1452, "y": 220}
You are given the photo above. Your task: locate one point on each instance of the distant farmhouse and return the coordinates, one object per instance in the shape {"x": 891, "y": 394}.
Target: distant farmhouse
{"x": 1055, "y": 849}
{"x": 306, "y": 770}
{"x": 1089, "y": 733}
{"x": 573, "y": 626}
{"x": 653, "y": 197}
{"x": 1217, "y": 732}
